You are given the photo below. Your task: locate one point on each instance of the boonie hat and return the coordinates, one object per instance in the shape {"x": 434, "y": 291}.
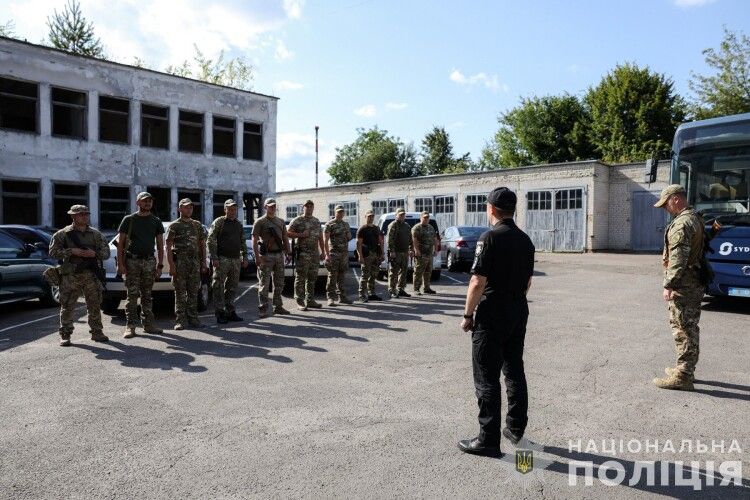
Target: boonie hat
{"x": 79, "y": 209}
{"x": 143, "y": 195}
{"x": 667, "y": 192}
{"x": 339, "y": 208}
{"x": 369, "y": 212}
{"x": 185, "y": 201}
{"x": 230, "y": 203}
{"x": 400, "y": 210}
{"x": 270, "y": 201}
{"x": 502, "y": 198}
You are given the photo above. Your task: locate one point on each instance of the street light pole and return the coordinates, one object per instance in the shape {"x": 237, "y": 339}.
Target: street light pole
{"x": 316, "y": 156}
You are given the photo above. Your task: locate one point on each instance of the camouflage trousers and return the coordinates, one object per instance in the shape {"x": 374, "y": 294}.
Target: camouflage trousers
{"x": 397, "y": 271}
{"x": 370, "y": 269}
{"x": 225, "y": 282}
{"x": 71, "y": 287}
{"x": 139, "y": 281}
{"x": 272, "y": 269}
{"x": 423, "y": 270}
{"x": 305, "y": 274}
{"x": 186, "y": 282}
{"x": 684, "y": 314}
{"x": 337, "y": 267}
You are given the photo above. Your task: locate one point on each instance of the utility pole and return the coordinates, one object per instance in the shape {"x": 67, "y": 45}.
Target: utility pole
{"x": 316, "y": 156}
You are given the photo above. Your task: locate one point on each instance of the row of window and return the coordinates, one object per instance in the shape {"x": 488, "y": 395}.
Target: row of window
{"x": 21, "y": 202}
{"x": 19, "y": 110}
{"x": 565, "y": 199}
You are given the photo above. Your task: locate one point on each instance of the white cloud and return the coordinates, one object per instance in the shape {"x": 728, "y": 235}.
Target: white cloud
{"x": 368, "y": 111}
{"x": 295, "y": 168}
{"x": 293, "y": 8}
{"x": 287, "y": 85}
{"x": 396, "y": 106}
{"x": 692, "y": 3}
{"x": 491, "y": 82}
{"x": 282, "y": 52}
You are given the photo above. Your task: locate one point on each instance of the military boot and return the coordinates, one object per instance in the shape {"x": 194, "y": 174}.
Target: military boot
{"x": 99, "y": 337}
{"x": 263, "y": 312}
{"x": 65, "y": 341}
{"x": 233, "y": 317}
{"x": 301, "y": 305}
{"x": 195, "y": 322}
{"x": 221, "y": 317}
{"x": 676, "y": 382}
{"x": 179, "y": 325}
{"x": 314, "y": 305}
{"x": 129, "y": 332}
{"x": 280, "y": 310}
{"x": 153, "y": 329}
{"x": 345, "y": 300}
{"x": 331, "y": 303}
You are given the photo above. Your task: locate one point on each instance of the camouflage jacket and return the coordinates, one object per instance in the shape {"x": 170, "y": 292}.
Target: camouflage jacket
{"x": 217, "y": 226}
{"x": 301, "y": 224}
{"x": 61, "y": 246}
{"x": 187, "y": 236}
{"x": 425, "y": 237}
{"x": 266, "y": 227}
{"x": 683, "y": 244}
{"x": 339, "y": 234}
{"x": 399, "y": 237}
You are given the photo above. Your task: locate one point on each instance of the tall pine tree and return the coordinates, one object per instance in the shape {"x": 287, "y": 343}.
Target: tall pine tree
{"x": 70, "y": 31}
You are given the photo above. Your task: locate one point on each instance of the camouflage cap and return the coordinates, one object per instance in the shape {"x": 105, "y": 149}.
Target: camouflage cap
{"x": 667, "y": 192}
{"x": 308, "y": 202}
{"x": 338, "y": 208}
{"x": 143, "y": 195}
{"x": 369, "y": 213}
{"x": 400, "y": 210}
{"x": 185, "y": 201}
{"x": 230, "y": 203}
{"x": 78, "y": 209}
{"x": 270, "y": 201}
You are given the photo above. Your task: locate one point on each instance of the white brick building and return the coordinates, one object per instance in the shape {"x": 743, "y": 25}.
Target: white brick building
{"x": 82, "y": 130}
{"x": 579, "y": 206}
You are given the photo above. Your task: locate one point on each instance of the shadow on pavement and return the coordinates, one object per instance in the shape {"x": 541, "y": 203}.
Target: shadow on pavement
{"x": 144, "y": 357}
{"x": 735, "y": 305}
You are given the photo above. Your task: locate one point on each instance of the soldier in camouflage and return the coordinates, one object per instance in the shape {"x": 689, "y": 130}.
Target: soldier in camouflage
{"x": 424, "y": 239}
{"x": 683, "y": 290}
{"x": 228, "y": 251}
{"x": 308, "y": 249}
{"x": 336, "y": 236}
{"x": 138, "y": 234}
{"x": 400, "y": 248}
{"x": 370, "y": 255}
{"x": 81, "y": 249}
{"x": 186, "y": 256}
{"x": 271, "y": 245}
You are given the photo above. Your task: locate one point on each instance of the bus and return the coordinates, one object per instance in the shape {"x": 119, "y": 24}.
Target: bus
{"x": 711, "y": 160}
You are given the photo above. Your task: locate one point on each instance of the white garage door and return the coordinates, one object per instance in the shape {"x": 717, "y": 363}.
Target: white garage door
{"x": 556, "y": 219}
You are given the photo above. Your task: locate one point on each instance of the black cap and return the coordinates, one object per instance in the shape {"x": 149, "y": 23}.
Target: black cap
{"x": 502, "y": 198}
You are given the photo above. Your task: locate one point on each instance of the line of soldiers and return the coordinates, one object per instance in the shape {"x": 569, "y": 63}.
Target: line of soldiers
{"x": 141, "y": 251}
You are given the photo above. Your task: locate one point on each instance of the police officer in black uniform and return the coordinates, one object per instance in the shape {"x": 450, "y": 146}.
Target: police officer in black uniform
{"x": 502, "y": 270}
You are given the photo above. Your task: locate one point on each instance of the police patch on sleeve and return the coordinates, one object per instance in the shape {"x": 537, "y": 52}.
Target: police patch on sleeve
{"x": 478, "y": 254}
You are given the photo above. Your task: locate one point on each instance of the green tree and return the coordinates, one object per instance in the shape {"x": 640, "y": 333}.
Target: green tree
{"x": 436, "y": 156}
{"x": 633, "y": 114}
{"x": 236, "y": 72}
{"x": 727, "y": 92}
{"x": 71, "y": 31}
{"x": 374, "y": 155}
{"x": 548, "y": 129}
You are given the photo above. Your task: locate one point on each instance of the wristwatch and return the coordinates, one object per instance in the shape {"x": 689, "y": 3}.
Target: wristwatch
{"x": 469, "y": 316}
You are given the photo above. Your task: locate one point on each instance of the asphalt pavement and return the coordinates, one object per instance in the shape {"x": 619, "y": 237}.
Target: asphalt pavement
{"x": 369, "y": 400}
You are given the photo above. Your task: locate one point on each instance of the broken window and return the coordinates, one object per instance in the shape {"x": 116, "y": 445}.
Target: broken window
{"x": 18, "y": 103}
{"x": 223, "y": 136}
{"x": 65, "y": 196}
{"x": 191, "y": 132}
{"x": 252, "y": 144}
{"x": 114, "y": 119}
{"x": 114, "y": 204}
{"x": 219, "y": 199}
{"x": 162, "y": 207}
{"x": 154, "y": 126}
{"x": 20, "y": 202}
{"x": 196, "y": 198}
{"x": 68, "y": 113}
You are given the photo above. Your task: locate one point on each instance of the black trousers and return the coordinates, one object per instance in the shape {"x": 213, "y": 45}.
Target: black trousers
{"x": 497, "y": 345}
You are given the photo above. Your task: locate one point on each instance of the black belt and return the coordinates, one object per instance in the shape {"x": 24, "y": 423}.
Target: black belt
{"x": 138, "y": 257}
{"x": 273, "y": 251}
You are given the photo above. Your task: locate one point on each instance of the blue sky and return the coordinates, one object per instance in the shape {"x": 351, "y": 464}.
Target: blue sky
{"x": 405, "y": 65}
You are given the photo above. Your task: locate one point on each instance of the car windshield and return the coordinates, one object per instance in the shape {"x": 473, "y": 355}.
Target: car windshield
{"x": 471, "y": 231}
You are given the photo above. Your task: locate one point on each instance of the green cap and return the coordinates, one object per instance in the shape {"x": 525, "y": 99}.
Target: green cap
{"x": 79, "y": 209}
{"x": 143, "y": 195}
{"x": 667, "y": 192}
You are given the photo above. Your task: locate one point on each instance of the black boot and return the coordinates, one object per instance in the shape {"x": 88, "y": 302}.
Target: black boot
{"x": 221, "y": 317}
{"x": 233, "y": 317}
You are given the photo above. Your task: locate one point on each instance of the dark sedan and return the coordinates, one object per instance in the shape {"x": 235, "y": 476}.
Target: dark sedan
{"x": 38, "y": 237}
{"x": 21, "y": 268}
{"x": 458, "y": 245}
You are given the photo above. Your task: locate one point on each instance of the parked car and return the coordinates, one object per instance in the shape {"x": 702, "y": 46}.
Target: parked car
{"x": 252, "y": 268}
{"x": 38, "y": 237}
{"x": 459, "y": 244}
{"x": 412, "y": 218}
{"x": 353, "y": 256}
{"x": 162, "y": 290}
{"x": 21, "y": 268}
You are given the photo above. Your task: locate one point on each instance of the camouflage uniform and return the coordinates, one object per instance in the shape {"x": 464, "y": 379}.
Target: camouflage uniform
{"x": 227, "y": 274}
{"x": 398, "y": 254}
{"x": 425, "y": 237}
{"x": 73, "y": 283}
{"x": 187, "y": 235}
{"x": 683, "y": 244}
{"x": 273, "y": 260}
{"x": 370, "y": 267}
{"x": 307, "y": 258}
{"x": 338, "y": 232}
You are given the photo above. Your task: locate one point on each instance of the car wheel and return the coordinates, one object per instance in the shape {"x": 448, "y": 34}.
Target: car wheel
{"x": 452, "y": 265}
{"x": 204, "y": 296}
{"x": 51, "y": 297}
{"x": 110, "y": 306}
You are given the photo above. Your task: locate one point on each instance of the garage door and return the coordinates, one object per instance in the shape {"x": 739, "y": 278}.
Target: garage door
{"x": 647, "y": 223}
{"x": 555, "y": 219}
